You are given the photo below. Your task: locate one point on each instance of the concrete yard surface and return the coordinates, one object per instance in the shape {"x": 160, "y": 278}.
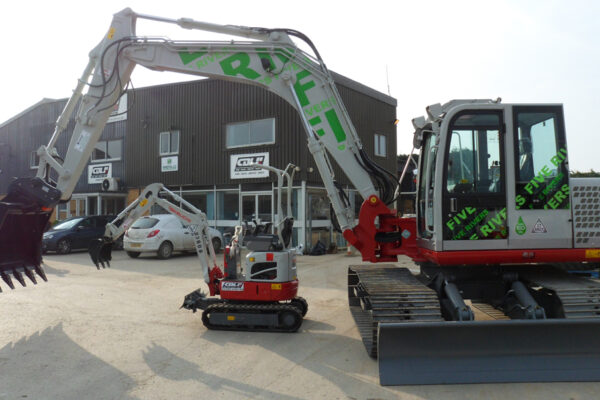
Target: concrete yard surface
{"x": 119, "y": 334}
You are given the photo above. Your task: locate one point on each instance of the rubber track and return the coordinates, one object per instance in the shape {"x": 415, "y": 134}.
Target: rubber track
{"x": 386, "y": 293}
{"x": 250, "y": 309}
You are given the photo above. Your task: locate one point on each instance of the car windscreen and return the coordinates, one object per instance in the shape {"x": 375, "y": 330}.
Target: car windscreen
{"x": 144, "y": 223}
{"x": 67, "y": 224}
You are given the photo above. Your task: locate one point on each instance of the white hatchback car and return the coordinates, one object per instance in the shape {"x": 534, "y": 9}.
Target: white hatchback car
{"x": 163, "y": 234}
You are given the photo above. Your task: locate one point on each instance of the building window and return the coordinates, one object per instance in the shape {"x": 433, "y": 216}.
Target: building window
{"x": 34, "y": 160}
{"x": 108, "y": 150}
{"x": 169, "y": 143}
{"x": 251, "y": 133}
{"x": 380, "y": 145}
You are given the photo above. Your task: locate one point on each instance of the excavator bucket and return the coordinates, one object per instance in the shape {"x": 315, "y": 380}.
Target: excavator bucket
{"x": 551, "y": 350}
{"x": 100, "y": 251}
{"x": 23, "y": 220}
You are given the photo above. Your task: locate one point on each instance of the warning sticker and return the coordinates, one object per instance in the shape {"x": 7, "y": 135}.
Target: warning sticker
{"x": 539, "y": 227}
{"x": 232, "y": 286}
{"x": 592, "y": 253}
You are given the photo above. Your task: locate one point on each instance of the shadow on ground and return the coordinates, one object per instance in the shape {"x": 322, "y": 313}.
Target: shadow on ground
{"x": 41, "y": 367}
{"x": 170, "y": 366}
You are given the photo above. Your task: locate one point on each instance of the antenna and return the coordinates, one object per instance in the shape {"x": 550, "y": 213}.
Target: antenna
{"x": 387, "y": 77}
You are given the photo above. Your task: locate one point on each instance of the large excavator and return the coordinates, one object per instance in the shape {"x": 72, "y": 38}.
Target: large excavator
{"x": 498, "y": 223}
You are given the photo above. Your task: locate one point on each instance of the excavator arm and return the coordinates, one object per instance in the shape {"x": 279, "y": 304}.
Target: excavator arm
{"x": 270, "y": 59}
{"x": 193, "y": 218}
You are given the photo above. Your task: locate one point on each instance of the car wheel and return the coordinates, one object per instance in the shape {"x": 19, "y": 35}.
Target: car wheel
{"x": 165, "y": 250}
{"x": 133, "y": 254}
{"x": 63, "y": 246}
{"x": 216, "y": 242}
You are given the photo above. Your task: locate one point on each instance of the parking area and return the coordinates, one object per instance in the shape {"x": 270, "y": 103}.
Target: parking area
{"x": 119, "y": 334}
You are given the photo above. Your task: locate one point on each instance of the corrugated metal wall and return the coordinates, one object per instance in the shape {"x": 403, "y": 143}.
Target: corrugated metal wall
{"x": 26, "y": 133}
{"x": 201, "y": 110}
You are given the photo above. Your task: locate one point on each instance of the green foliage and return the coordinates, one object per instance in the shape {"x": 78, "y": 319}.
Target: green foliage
{"x": 589, "y": 174}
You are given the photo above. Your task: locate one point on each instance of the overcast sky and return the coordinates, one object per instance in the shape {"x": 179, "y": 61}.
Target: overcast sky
{"x": 434, "y": 51}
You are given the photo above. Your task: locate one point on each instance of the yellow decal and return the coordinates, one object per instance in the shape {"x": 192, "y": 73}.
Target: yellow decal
{"x": 275, "y": 286}
{"x": 230, "y": 318}
{"x": 592, "y": 253}
{"x": 111, "y": 33}
{"x": 143, "y": 202}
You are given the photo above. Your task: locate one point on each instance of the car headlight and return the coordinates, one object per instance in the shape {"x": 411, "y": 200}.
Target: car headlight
{"x": 48, "y": 236}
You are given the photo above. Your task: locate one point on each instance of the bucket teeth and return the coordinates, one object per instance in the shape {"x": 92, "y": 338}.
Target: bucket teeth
{"x": 100, "y": 252}
{"x": 40, "y": 271}
{"x": 19, "y": 276}
{"x": 6, "y": 278}
{"x": 17, "y": 273}
{"x": 30, "y": 275}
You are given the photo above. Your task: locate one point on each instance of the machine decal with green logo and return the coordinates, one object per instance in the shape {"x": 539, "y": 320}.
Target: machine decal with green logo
{"x": 547, "y": 190}
{"x": 321, "y": 113}
{"x": 475, "y": 223}
{"x": 521, "y": 228}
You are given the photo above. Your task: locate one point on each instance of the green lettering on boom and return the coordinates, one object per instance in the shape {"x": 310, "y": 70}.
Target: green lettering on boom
{"x": 336, "y": 126}
{"x": 242, "y": 68}
{"x": 301, "y": 89}
{"x": 314, "y": 121}
{"x": 187, "y": 57}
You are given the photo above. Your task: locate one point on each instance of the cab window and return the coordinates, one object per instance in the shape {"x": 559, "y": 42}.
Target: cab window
{"x": 542, "y": 179}
{"x": 474, "y": 155}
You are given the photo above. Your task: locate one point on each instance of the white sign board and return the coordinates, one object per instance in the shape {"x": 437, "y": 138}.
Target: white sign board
{"x": 168, "y": 164}
{"x": 98, "y": 172}
{"x": 119, "y": 112}
{"x": 240, "y": 165}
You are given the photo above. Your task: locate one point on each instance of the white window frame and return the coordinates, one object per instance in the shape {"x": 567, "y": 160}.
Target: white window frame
{"x": 248, "y": 123}
{"x": 33, "y": 158}
{"x": 379, "y": 139}
{"x": 101, "y": 160}
{"x": 169, "y": 152}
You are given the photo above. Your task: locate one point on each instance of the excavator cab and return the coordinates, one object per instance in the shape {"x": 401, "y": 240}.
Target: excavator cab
{"x": 493, "y": 176}
{"x": 499, "y": 222}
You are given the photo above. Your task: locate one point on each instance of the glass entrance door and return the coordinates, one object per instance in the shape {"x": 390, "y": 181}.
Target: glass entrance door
{"x": 249, "y": 213}
{"x": 257, "y": 207}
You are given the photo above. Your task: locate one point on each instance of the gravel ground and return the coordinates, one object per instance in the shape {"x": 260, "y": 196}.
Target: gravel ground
{"x": 118, "y": 334}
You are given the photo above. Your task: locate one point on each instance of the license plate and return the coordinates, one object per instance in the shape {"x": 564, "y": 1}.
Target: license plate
{"x": 135, "y": 244}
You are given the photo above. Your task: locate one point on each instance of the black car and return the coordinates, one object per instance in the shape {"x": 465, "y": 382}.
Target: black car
{"x": 74, "y": 233}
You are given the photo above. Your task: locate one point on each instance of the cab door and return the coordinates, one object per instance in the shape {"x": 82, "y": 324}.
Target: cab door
{"x": 540, "y": 214}
{"x": 474, "y": 201}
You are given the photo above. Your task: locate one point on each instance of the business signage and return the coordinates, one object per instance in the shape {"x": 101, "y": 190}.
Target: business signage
{"x": 240, "y": 165}
{"x": 168, "y": 164}
{"x": 98, "y": 172}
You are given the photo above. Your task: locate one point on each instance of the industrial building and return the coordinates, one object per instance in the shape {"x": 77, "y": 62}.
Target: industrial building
{"x": 195, "y": 138}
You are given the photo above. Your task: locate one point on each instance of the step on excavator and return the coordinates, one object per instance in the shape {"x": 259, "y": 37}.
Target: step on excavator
{"x": 498, "y": 225}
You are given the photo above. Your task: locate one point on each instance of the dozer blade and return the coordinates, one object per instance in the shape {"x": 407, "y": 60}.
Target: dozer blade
{"x": 552, "y": 350}
{"x": 24, "y": 215}
{"x": 100, "y": 250}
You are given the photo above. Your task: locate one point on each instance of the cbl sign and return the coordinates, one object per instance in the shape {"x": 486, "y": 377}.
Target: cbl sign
{"x": 98, "y": 172}
{"x": 240, "y": 165}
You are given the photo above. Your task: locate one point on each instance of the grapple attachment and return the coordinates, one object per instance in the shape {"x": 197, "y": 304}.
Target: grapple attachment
{"x": 24, "y": 215}
{"x": 100, "y": 251}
